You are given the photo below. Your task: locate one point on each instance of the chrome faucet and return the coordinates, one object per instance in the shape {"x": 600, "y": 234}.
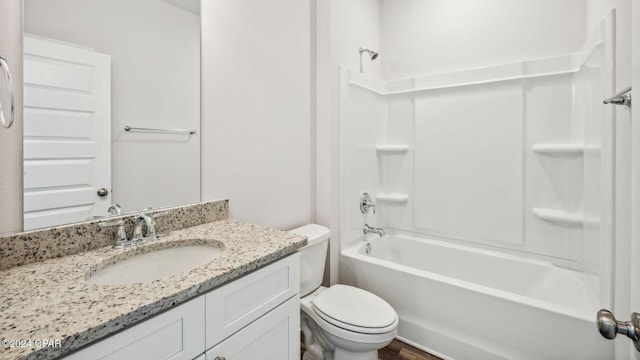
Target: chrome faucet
{"x": 370, "y": 229}
{"x": 137, "y": 236}
{"x": 121, "y": 241}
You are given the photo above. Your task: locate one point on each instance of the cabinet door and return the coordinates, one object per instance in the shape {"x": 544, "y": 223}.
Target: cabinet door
{"x": 275, "y": 335}
{"x": 176, "y": 334}
{"x": 237, "y": 304}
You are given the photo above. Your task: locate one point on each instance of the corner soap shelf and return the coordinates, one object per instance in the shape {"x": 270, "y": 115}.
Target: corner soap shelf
{"x": 389, "y": 149}
{"x": 562, "y": 216}
{"x": 392, "y": 149}
{"x": 558, "y": 149}
{"x": 392, "y": 197}
{"x": 558, "y": 216}
{"x": 565, "y": 149}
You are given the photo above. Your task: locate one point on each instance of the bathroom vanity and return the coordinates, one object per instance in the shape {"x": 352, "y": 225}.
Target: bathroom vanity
{"x": 254, "y": 317}
{"x": 243, "y": 304}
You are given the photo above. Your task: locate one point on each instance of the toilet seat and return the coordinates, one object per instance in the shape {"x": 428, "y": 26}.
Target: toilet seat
{"x": 346, "y": 323}
{"x": 354, "y": 309}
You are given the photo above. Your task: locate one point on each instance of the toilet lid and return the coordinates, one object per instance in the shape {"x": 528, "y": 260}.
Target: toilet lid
{"x": 355, "y": 309}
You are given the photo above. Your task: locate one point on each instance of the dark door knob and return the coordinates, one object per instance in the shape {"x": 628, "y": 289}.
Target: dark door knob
{"x": 103, "y": 192}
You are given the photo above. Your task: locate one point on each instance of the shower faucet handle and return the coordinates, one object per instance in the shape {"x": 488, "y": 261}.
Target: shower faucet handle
{"x": 366, "y": 203}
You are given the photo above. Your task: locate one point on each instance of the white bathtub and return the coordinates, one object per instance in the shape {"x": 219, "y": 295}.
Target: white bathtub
{"x": 462, "y": 303}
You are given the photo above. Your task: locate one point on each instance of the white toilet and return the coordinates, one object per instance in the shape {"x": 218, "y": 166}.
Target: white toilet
{"x": 340, "y": 322}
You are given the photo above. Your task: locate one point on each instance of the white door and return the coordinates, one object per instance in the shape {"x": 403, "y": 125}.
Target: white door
{"x": 627, "y": 269}
{"x": 67, "y": 127}
{"x": 635, "y": 168}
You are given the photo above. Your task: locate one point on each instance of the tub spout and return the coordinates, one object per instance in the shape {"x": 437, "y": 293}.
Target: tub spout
{"x": 370, "y": 229}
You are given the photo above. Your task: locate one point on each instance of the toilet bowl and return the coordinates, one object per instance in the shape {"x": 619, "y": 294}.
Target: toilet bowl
{"x": 340, "y": 322}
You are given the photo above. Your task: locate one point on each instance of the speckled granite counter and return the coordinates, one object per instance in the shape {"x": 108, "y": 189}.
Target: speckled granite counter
{"x": 48, "y": 243}
{"x": 51, "y": 299}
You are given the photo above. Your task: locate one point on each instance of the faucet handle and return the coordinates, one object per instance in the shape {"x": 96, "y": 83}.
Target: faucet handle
{"x": 109, "y": 220}
{"x": 150, "y": 221}
{"x": 121, "y": 241}
{"x": 115, "y": 209}
{"x": 136, "y": 233}
{"x": 366, "y": 203}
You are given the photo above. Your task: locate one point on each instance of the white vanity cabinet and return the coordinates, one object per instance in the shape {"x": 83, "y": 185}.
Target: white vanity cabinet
{"x": 256, "y": 316}
{"x": 274, "y": 336}
{"x": 174, "y": 334}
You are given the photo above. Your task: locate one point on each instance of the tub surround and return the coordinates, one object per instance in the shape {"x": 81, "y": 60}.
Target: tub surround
{"x": 51, "y": 299}
{"x": 42, "y": 244}
{"x": 505, "y": 295}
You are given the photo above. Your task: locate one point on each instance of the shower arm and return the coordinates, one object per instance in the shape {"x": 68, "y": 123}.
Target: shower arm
{"x": 372, "y": 54}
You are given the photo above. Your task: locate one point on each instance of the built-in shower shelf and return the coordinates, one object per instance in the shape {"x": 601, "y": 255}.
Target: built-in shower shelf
{"x": 392, "y": 197}
{"x": 392, "y": 149}
{"x": 553, "y": 149}
{"x": 562, "y": 216}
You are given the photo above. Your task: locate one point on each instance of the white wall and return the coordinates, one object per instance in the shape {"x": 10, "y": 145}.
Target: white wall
{"x": 154, "y": 47}
{"x": 422, "y": 37}
{"x": 342, "y": 27}
{"x": 256, "y": 109}
{"x": 355, "y": 24}
{"x": 11, "y": 139}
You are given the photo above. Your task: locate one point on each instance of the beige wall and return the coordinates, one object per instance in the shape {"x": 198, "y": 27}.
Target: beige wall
{"x": 11, "y": 139}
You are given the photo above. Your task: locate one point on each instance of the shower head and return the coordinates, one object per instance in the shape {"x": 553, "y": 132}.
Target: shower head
{"x": 372, "y": 54}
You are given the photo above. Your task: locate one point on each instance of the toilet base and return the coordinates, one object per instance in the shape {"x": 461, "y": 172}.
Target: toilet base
{"x": 343, "y": 354}
{"x": 336, "y": 343}
{"x": 349, "y": 350}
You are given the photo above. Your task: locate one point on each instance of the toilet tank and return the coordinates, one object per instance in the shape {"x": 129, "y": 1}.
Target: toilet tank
{"x": 312, "y": 257}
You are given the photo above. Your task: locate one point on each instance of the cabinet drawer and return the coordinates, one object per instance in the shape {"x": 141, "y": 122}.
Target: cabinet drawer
{"x": 233, "y": 306}
{"x": 175, "y": 334}
{"x": 276, "y": 335}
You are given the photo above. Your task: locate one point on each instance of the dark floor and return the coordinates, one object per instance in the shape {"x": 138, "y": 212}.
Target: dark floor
{"x": 398, "y": 350}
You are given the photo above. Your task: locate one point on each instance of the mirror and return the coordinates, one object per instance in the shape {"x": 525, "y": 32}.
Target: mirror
{"x": 92, "y": 68}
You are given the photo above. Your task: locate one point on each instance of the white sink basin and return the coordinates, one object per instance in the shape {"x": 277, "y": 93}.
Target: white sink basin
{"x": 155, "y": 265}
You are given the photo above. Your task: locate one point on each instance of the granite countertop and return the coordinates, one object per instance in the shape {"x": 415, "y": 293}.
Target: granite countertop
{"x": 52, "y": 300}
